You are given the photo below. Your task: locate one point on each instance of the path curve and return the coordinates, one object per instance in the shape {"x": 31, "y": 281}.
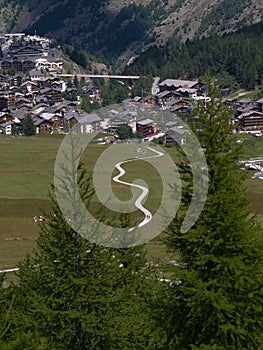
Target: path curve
{"x": 145, "y": 191}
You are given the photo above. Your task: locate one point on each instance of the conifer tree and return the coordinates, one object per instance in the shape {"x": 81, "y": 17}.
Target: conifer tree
{"x": 29, "y": 128}
{"x": 215, "y": 300}
{"x": 78, "y": 295}
{"x": 14, "y": 130}
{"x": 9, "y": 337}
{"x": 3, "y": 309}
{"x": 86, "y": 104}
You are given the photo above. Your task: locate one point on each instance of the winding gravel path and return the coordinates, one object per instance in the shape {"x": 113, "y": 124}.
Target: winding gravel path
{"x": 145, "y": 191}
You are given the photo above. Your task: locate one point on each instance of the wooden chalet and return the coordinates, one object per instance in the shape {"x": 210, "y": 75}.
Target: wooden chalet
{"x": 3, "y": 103}
{"x": 145, "y": 126}
{"x": 174, "y": 84}
{"x": 6, "y": 117}
{"x": 28, "y": 86}
{"x": 17, "y": 80}
{"x": 5, "y": 66}
{"x": 17, "y": 65}
{"x": 260, "y": 104}
{"x": 4, "y": 78}
{"x": 21, "y": 101}
{"x": 26, "y": 51}
{"x": 43, "y": 126}
{"x": 251, "y": 121}
{"x": 174, "y": 136}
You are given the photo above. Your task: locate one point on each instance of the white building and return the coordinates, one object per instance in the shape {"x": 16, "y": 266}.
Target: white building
{"x": 43, "y": 63}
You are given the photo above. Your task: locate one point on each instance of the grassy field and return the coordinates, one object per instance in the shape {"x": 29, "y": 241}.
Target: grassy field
{"x": 26, "y": 170}
{"x": 135, "y": 170}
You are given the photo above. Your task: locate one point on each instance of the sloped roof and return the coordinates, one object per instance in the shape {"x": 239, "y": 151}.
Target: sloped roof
{"x": 20, "y": 114}
{"x": 171, "y": 123}
{"x": 245, "y": 100}
{"x": 46, "y": 116}
{"x": 175, "y": 130}
{"x": 165, "y": 93}
{"x": 5, "y": 124}
{"x": 145, "y": 121}
{"x": 82, "y": 116}
{"x": 189, "y": 90}
{"x": 179, "y": 83}
{"x": 33, "y": 73}
{"x": 252, "y": 113}
{"x": 38, "y": 121}
{"x": 90, "y": 118}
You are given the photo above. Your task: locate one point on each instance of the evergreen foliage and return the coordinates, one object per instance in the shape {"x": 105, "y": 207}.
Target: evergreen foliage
{"x": 77, "y": 295}
{"x": 99, "y": 34}
{"x": 217, "y": 20}
{"x": 87, "y": 105}
{"x": 72, "y": 96}
{"x": 29, "y": 128}
{"x": 236, "y": 56}
{"x": 113, "y": 92}
{"x": 111, "y": 28}
{"x": 124, "y": 132}
{"x": 82, "y": 57}
{"x": 143, "y": 85}
{"x": 14, "y": 130}
{"x": 215, "y": 300}
{"x": 3, "y": 309}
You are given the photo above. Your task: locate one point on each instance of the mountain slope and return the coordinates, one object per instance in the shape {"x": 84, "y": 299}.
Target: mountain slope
{"x": 114, "y": 28}
{"x": 204, "y": 17}
{"x": 235, "y": 59}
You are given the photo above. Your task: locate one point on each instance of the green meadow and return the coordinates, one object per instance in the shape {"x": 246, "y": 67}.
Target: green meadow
{"x": 26, "y": 173}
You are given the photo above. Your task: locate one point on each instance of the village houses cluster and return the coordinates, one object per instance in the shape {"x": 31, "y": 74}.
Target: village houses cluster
{"x": 36, "y": 89}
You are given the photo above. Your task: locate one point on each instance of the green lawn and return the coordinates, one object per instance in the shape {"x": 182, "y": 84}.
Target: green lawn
{"x": 26, "y": 165}
{"x": 26, "y": 170}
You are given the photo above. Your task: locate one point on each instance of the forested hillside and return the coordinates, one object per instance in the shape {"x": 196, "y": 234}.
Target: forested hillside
{"x": 122, "y": 29}
{"x": 235, "y": 58}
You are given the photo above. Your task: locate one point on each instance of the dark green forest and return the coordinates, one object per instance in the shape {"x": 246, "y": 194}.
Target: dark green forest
{"x": 108, "y": 29}
{"x": 218, "y": 19}
{"x": 236, "y": 58}
{"x": 105, "y": 34}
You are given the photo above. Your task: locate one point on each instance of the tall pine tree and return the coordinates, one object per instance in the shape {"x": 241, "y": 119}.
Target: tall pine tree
{"x": 215, "y": 300}
{"x": 78, "y": 295}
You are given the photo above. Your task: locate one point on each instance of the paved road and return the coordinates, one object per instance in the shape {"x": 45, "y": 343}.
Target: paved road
{"x": 145, "y": 191}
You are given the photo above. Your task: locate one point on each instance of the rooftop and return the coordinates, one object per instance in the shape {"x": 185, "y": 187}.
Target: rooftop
{"x": 145, "y": 121}
{"x": 179, "y": 83}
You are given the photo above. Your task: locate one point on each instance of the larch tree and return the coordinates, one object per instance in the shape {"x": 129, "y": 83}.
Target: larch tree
{"x": 77, "y": 295}
{"x": 4, "y": 309}
{"x": 215, "y": 300}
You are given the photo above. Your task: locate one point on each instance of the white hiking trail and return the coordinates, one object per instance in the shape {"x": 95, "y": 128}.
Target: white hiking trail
{"x": 138, "y": 202}
{"x": 145, "y": 191}
{"x": 9, "y": 270}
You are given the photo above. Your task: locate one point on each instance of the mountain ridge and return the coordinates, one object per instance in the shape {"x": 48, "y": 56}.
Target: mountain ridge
{"x": 120, "y": 30}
